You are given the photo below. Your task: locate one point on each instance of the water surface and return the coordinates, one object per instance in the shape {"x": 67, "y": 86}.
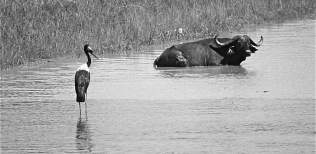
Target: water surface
{"x": 266, "y": 105}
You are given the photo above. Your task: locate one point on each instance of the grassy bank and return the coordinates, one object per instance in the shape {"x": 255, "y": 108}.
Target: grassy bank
{"x": 44, "y": 29}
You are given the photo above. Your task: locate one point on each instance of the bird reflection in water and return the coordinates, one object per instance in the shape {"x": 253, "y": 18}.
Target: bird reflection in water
{"x": 83, "y": 136}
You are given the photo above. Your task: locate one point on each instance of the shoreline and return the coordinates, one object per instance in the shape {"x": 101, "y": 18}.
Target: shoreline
{"x": 37, "y": 37}
{"x": 39, "y": 62}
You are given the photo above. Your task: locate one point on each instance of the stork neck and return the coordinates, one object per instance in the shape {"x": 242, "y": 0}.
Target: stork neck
{"x": 89, "y": 59}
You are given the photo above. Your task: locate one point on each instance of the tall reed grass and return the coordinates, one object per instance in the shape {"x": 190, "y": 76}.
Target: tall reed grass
{"x": 43, "y": 29}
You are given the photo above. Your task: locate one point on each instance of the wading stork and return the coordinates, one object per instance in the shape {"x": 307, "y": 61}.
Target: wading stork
{"x": 82, "y": 78}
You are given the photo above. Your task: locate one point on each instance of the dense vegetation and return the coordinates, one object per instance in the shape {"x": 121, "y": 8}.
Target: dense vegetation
{"x": 43, "y": 29}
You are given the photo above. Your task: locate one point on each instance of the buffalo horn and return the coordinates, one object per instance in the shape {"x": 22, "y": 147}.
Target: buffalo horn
{"x": 223, "y": 44}
{"x": 258, "y": 44}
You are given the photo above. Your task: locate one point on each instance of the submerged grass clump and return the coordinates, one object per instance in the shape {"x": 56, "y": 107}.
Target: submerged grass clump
{"x": 43, "y": 29}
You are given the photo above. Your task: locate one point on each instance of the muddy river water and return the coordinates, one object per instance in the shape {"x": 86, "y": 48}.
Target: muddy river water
{"x": 266, "y": 105}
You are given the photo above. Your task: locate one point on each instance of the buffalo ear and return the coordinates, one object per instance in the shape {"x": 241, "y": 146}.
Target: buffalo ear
{"x": 253, "y": 49}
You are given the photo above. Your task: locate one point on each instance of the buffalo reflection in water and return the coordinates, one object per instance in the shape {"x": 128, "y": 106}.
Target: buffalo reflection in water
{"x": 198, "y": 72}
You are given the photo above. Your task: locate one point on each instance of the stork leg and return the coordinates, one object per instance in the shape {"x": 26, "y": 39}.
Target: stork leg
{"x": 85, "y": 103}
{"x": 79, "y": 108}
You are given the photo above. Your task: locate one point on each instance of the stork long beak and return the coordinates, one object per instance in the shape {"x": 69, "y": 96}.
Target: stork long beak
{"x": 94, "y": 55}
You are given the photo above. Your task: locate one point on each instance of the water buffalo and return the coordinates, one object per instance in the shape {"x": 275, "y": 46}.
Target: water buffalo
{"x": 208, "y": 52}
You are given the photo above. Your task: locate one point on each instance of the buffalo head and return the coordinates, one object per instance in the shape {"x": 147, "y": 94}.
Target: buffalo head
{"x": 236, "y": 49}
